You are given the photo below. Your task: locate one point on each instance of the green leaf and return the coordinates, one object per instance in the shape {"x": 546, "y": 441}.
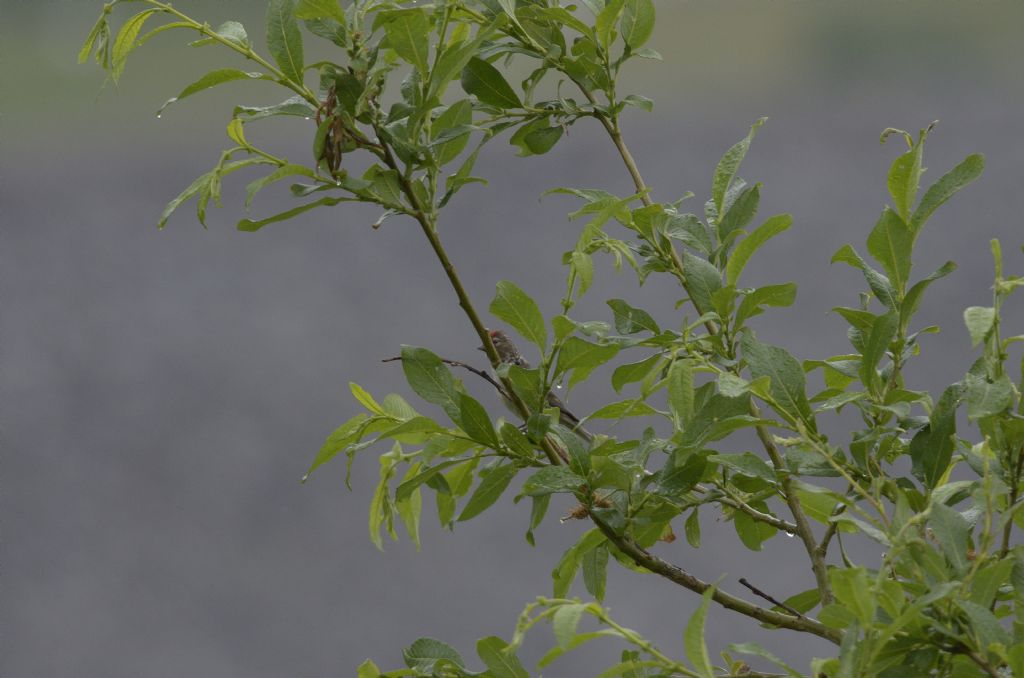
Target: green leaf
{"x": 381, "y": 509}
{"x": 368, "y": 670}
{"x": 565, "y": 621}
{"x": 410, "y": 508}
{"x": 456, "y": 116}
{"x": 431, "y": 380}
{"x": 476, "y": 422}
{"x": 739, "y": 213}
{"x": 425, "y": 652}
{"x": 541, "y": 140}
{"x": 728, "y": 166}
{"x": 980, "y": 321}
{"x": 320, "y": 9}
{"x": 680, "y": 392}
{"x": 97, "y": 28}
{"x": 702, "y": 279}
{"x": 634, "y": 407}
{"x": 689, "y": 229}
{"x": 851, "y": 588}
{"x": 229, "y": 30}
{"x": 987, "y": 581}
{"x": 489, "y": 490}
{"x": 692, "y": 528}
{"x": 984, "y": 625}
{"x": 487, "y": 84}
{"x": 932, "y": 447}
{"x": 551, "y": 480}
{"x": 769, "y": 295}
{"x": 582, "y": 357}
{"x": 250, "y": 226}
{"x": 565, "y": 571}
{"x": 516, "y": 441}
{"x": 192, "y": 190}
{"x": 951, "y": 530}
{"x": 637, "y": 22}
{"x": 364, "y": 398}
{"x": 410, "y": 483}
{"x": 409, "y": 35}
{"x": 693, "y": 637}
{"x": 913, "y": 297}
{"x": 499, "y": 658}
{"x": 604, "y": 24}
{"x": 891, "y": 242}
{"x": 758, "y": 651}
{"x": 882, "y": 332}
{"x": 751, "y": 532}
{"x": 342, "y": 437}
{"x": 280, "y": 173}
{"x": 284, "y": 39}
{"x": 125, "y": 42}
{"x": 904, "y": 178}
{"x": 633, "y": 372}
{"x": 639, "y": 101}
{"x": 769, "y": 229}
{"x": 879, "y": 284}
{"x": 747, "y": 464}
{"x": 947, "y": 185}
{"x": 516, "y": 308}
{"x": 595, "y": 571}
{"x": 630, "y": 320}
{"x": 787, "y": 377}
{"x": 538, "y": 510}
{"x": 986, "y": 398}
{"x": 295, "y": 105}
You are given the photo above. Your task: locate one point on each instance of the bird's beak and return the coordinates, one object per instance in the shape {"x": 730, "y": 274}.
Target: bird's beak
{"x": 481, "y": 348}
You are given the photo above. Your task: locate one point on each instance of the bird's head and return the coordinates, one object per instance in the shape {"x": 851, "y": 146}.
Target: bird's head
{"x": 507, "y": 351}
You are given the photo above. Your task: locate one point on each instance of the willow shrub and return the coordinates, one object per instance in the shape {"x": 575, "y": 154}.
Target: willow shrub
{"x": 415, "y": 90}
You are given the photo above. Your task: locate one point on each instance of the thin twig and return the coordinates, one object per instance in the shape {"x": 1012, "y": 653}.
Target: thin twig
{"x": 758, "y": 592}
{"x": 455, "y": 363}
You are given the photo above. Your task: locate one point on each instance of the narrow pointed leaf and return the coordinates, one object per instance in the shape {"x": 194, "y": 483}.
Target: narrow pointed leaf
{"x": 947, "y": 185}
{"x": 284, "y": 41}
{"x": 409, "y": 35}
{"x": 693, "y": 637}
{"x": 728, "y": 166}
{"x": 500, "y": 660}
{"x": 746, "y": 248}
{"x": 891, "y": 242}
{"x": 489, "y": 490}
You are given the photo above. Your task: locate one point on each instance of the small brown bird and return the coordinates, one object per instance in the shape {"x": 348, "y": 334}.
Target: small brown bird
{"x": 509, "y": 354}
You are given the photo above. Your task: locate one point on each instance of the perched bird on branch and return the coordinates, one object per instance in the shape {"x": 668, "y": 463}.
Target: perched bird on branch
{"x": 509, "y": 354}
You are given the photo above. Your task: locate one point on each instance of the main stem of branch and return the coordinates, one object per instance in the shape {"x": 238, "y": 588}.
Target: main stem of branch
{"x": 673, "y": 573}
{"x": 429, "y": 230}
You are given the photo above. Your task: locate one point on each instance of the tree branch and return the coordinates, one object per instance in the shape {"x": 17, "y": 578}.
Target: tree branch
{"x": 679, "y": 576}
{"x": 552, "y": 452}
{"x": 803, "y": 527}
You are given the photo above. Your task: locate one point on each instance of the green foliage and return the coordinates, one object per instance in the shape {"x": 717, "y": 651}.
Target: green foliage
{"x": 412, "y": 92}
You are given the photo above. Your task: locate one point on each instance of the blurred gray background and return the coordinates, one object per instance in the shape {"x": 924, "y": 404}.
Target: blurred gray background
{"x": 163, "y": 392}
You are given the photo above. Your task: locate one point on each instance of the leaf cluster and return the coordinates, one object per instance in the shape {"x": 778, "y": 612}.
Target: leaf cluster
{"x": 414, "y": 93}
